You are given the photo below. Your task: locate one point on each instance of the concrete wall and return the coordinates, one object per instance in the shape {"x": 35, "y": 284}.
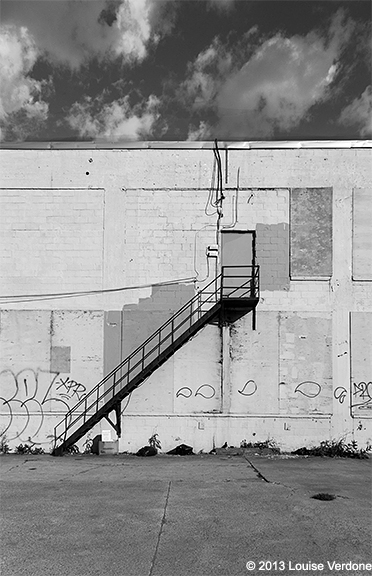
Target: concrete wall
{"x": 131, "y": 227}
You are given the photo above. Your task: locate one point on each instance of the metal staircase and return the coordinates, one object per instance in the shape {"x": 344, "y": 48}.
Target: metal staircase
{"x": 229, "y": 296}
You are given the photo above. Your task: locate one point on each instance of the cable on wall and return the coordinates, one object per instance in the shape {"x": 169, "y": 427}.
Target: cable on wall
{"x": 17, "y": 298}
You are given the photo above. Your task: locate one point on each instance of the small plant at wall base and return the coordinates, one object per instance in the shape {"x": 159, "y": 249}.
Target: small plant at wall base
{"x": 154, "y": 442}
{"x": 152, "y": 448}
{"x": 335, "y": 448}
{"x": 26, "y": 449}
{"x": 4, "y": 446}
{"x": 88, "y": 445}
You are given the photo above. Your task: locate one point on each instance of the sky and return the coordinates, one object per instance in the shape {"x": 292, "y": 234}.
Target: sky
{"x": 185, "y": 70}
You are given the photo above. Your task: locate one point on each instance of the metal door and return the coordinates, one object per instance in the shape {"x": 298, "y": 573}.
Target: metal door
{"x": 237, "y": 260}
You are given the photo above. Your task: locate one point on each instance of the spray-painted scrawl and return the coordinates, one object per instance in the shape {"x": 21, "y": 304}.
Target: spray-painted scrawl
{"x": 30, "y": 394}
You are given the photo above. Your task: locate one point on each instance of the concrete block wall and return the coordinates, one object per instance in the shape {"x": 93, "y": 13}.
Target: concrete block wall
{"x": 49, "y": 360}
{"x": 97, "y": 219}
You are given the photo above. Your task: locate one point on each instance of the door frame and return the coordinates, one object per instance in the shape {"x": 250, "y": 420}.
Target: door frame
{"x": 252, "y": 232}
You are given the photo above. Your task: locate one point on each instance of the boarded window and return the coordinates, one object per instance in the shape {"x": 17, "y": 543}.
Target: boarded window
{"x": 362, "y": 234}
{"x": 311, "y": 232}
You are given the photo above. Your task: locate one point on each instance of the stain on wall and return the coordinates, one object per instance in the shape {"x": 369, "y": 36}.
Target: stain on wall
{"x": 60, "y": 358}
{"x": 362, "y": 234}
{"x": 272, "y": 251}
{"x": 142, "y": 319}
{"x": 311, "y": 232}
{"x": 305, "y": 362}
{"x": 361, "y": 364}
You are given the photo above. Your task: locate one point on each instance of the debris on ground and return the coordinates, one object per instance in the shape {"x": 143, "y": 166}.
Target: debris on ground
{"x": 181, "y": 450}
{"x": 147, "y": 451}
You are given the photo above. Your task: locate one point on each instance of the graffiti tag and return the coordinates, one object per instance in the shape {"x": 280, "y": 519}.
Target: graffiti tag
{"x": 340, "y": 394}
{"x": 362, "y": 395}
{"x": 309, "y": 388}
{"x": 24, "y": 403}
{"x": 249, "y": 388}
{"x": 205, "y": 390}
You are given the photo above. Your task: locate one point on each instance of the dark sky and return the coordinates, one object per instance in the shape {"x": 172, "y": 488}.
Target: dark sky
{"x": 122, "y": 70}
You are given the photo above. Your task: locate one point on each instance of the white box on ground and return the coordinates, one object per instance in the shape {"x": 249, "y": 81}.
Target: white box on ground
{"x": 108, "y": 448}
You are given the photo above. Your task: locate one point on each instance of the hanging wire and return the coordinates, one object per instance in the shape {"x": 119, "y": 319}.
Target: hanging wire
{"x": 16, "y": 298}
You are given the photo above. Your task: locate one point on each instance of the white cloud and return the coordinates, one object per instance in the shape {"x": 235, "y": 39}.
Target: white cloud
{"x": 222, "y": 5}
{"x": 114, "y": 121}
{"x": 202, "y": 132}
{"x": 71, "y": 32}
{"x": 277, "y": 85}
{"x": 206, "y": 74}
{"x": 18, "y": 91}
{"x": 359, "y": 114}
{"x": 18, "y": 54}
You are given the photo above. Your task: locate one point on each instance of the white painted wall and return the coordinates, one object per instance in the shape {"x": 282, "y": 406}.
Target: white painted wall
{"x": 97, "y": 219}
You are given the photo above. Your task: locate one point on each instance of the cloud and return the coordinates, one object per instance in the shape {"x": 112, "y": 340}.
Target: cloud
{"x": 20, "y": 94}
{"x": 277, "y": 85}
{"x": 114, "y": 121}
{"x": 202, "y": 132}
{"x": 222, "y": 5}
{"x": 206, "y": 74}
{"x": 74, "y": 31}
{"x": 359, "y": 114}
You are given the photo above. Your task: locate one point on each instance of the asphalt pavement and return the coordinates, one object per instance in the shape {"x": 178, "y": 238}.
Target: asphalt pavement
{"x": 230, "y": 514}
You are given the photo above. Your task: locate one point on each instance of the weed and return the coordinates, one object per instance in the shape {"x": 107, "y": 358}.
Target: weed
{"x": 73, "y": 449}
{"x": 154, "y": 442}
{"x": 335, "y": 448}
{"x": 26, "y": 449}
{"x": 88, "y": 445}
{"x": 4, "y": 446}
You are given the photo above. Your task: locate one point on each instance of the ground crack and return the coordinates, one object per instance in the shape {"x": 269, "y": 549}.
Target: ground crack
{"x": 160, "y": 531}
{"x": 256, "y": 470}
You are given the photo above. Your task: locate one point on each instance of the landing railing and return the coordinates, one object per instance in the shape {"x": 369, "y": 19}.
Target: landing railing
{"x": 234, "y": 282}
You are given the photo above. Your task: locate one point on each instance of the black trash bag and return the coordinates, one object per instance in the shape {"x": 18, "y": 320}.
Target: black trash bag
{"x": 301, "y": 451}
{"x": 181, "y": 450}
{"x": 147, "y": 451}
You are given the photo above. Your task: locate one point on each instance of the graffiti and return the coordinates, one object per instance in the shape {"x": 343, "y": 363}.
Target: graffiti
{"x": 340, "y": 394}
{"x": 249, "y": 388}
{"x": 309, "y": 388}
{"x": 362, "y": 394}
{"x": 72, "y": 388}
{"x": 185, "y": 391}
{"x": 26, "y": 397}
{"x": 205, "y": 390}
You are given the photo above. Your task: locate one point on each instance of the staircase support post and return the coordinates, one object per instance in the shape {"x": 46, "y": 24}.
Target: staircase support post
{"x": 117, "y": 426}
